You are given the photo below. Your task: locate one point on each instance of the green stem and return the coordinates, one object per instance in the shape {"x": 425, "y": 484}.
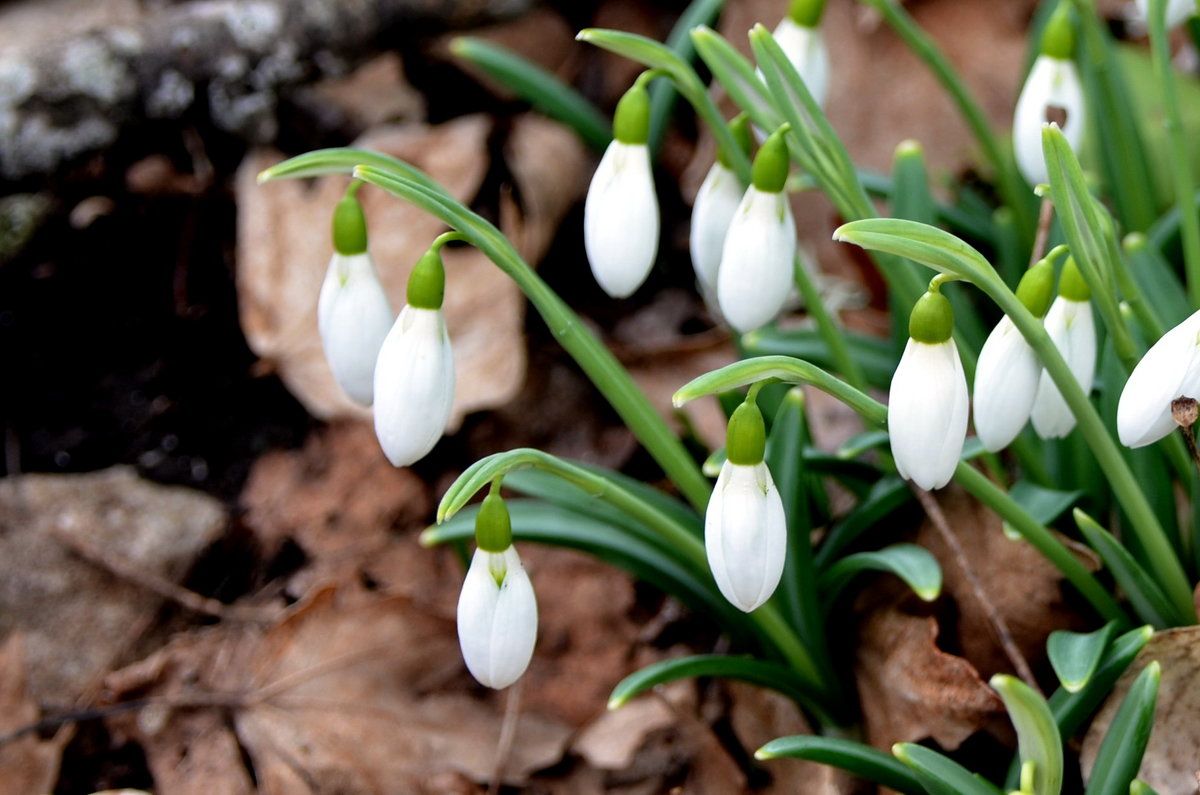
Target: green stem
{"x": 1011, "y": 186}
{"x": 1185, "y": 192}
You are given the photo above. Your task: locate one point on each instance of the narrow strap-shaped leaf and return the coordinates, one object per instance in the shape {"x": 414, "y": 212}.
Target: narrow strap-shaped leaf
{"x": 538, "y": 87}
{"x": 1038, "y": 740}
{"x": 1148, "y": 600}
{"x": 887, "y": 496}
{"x": 1071, "y": 710}
{"x": 1076, "y": 655}
{"x": 1042, "y": 504}
{"x": 736, "y": 75}
{"x": 940, "y": 775}
{"x": 875, "y": 357}
{"x": 679, "y": 41}
{"x": 743, "y": 669}
{"x": 911, "y": 563}
{"x": 1124, "y": 744}
{"x": 861, "y": 760}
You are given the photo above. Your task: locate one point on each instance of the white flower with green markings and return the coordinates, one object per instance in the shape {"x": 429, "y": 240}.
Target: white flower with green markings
{"x": 1169, "y": 370}
{"x": 799, "y": 36}
{"x": 1071, "y": 326}
{"x": 1053, "y": 93}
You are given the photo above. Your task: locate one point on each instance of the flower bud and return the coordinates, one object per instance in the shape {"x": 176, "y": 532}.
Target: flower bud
{"x": 1169, "y": 370}
{"x": 1071, "y": 327}
{"x": 1052, "y": 93}
{"x": 497, "y": 618}
{"x": 799, "y": 36}
{"x": 745, "y": 534}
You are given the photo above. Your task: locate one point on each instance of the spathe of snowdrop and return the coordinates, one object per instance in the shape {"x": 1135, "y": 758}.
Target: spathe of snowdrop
{"x": 716, "y": 202}
{"x": 353, "y": 313}
{"x": 755, "y": 275}
{"x": 1169, "y": 370}
{"x": 1177, "y": 10}
{"x": 745, "y": 530}
{"x": 1052, "y": 93}
{"x": 927, "y": 401}
{"x": 497, "y": 609}
{"x": 799, "y": 36}
{"x": 620, "y": 215}
{"x": 1008, "y": 370}
{"x": 1070, "y": 326}
{"x": 414, "y": 376}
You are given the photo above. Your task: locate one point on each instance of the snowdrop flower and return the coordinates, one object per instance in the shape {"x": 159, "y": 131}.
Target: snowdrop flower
{"x": 755, "y": 275}
{"x": 353, "y": 313}
{"x": 1177, "y": 10}
{"x": 799, "y": 36}
{"x": 1073, "y": 331}
{"x": 414, "y": 377}
{"x": 1052, "y": 93}
{"x": 497, "y": 610}
{"x": 927, "y": 402}
{"x": 1169, "y": 370}
{"x": 620, "y": 215}
{"x": 716, "y": 202}
{"x": 745, "y": 531}
{"x": 1007, "y": 374}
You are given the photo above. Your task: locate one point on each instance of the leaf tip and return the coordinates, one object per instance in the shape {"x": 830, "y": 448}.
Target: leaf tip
{"x": 585, "y": 34}
{"x": 427, "y": 538}
{"x": 928, "y": 594}
{"x": 763, "y": 754}
{"x": 615, "y": 702}
{"x": 842, "y": 234}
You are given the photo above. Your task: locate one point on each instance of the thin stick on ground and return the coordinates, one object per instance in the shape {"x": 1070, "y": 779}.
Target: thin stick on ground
{"x": 938, "y": 518}
{"x": 508, "y": 734}
{"x": 1045, "y": 217}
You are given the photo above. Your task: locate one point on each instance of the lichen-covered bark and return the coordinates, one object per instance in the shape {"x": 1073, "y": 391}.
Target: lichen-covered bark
{"x": 228, "y": 59}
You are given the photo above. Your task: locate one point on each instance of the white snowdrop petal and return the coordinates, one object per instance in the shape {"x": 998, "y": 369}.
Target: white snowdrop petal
{"x": 1073, "y": 331}
{"x": 620, "y": 219}
{"x": 1177, "y": 10}
{"x": 755, "y": 275}
{"x": 927, "y": 413}
{"x": 1006, "y": 381}
{"x": 497, "y": 623}
{"x": 716, "y": 202}
{"x": 1169, "y": 370}
{"x": 1053, "y": 83}
{"x": 805, "y": 48}
{"x": 353, "y": 317}
{"x": 745, "y": 535}
{"x": 414, "y": 385}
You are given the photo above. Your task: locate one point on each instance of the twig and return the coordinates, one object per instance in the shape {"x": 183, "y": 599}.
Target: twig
{"x": 508, "y": 734}
{"x": 1184, "y": 411}
{"x": 190, "y": 600}
{"x": 1045, "y": 216}
{"x": 934, "y": 512}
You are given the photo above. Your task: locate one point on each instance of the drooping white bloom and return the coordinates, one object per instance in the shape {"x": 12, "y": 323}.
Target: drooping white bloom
{"x": 497, "y": 618}
{"x": 1006, "y": 381}
{"x": 1071, "y": 327}
{"x": 927, "y": 412}
{"x": 755, "y": 275}
{"x": 353, "y": 316}
{"x": 1177, "y": 10}
{"x": 1052, "y": 93}
{"x": 716, "y": 202}
{"x": 805, "y": 47}
{"x": 620, "y": 219}
{"x": 414, "y": 385}
{"x": 745, "y": 534}
{"x": 1169, "y": 370}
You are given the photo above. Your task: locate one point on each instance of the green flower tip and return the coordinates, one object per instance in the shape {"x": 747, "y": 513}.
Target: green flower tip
{"x": 770, "y": 171}
{"x": 806, "y": 13}
{"x": 349, "y": 225}
{"x": 1071, "y": 285}
{"x": 493, "y": 527}
{"x": 631, "y": 123}
{"x": 1058, "y": 37}
{"x": 739, "y": 127}
{"x": 1036, "y": 288}
{"x": 427, "y": 282}
{"x": 746, "y": 438}
{"x": 932, "y": 319}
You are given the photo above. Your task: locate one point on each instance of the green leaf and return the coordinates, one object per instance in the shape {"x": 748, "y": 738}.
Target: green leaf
{"x": 657, "y": 56}
{"x": 1071, "y": 710}
{"x": 1075, "y": 655}
{"x": 887, "y": 496}
{"x": 538, "y": 87}
{"x": 1120, "y": 754}
{"x": 940, "y": 775}
{"x": 1158, "y": 281}
{"x": 1038, "y": 740}
{"x": 736, "y": 75}
{"x": 876, "y": 357}
{"x": 1139, "y": 787}
{"x": 343, "y": 161}
{"x": 921, "y": 243}
{"x": 861, "y": 760}
{"x": 743, "y": 669}
{"x": 780, "y": 368}
{"x": 1148, "y": 600}
{"x": 911, "y": 563}
{"x": 663, "y": 94}
{"x": 1042, "y": 504}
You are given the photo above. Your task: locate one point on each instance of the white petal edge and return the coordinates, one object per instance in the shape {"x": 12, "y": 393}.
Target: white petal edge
{"x": 1072, "y": 329}
{"x": 745, "y": 535}
{"x": 927, "y": 413}
{"x": 1051, "y": 82}
{"x": 414, "y": 385}
{"x": 716, "y": 202}
{"x": 1169, "y": 370}
{"x": 805, "y": 48}
{"x": 1006, "y": 382}
{"x": 620, "y": 219}
{"x": 755, "y": 276}
{"x": 353, "y": 317}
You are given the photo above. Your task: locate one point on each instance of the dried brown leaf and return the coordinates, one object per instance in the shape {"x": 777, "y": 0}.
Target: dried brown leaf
{"x": 1171, "y": 765}
{"x": 27, "y": 763}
